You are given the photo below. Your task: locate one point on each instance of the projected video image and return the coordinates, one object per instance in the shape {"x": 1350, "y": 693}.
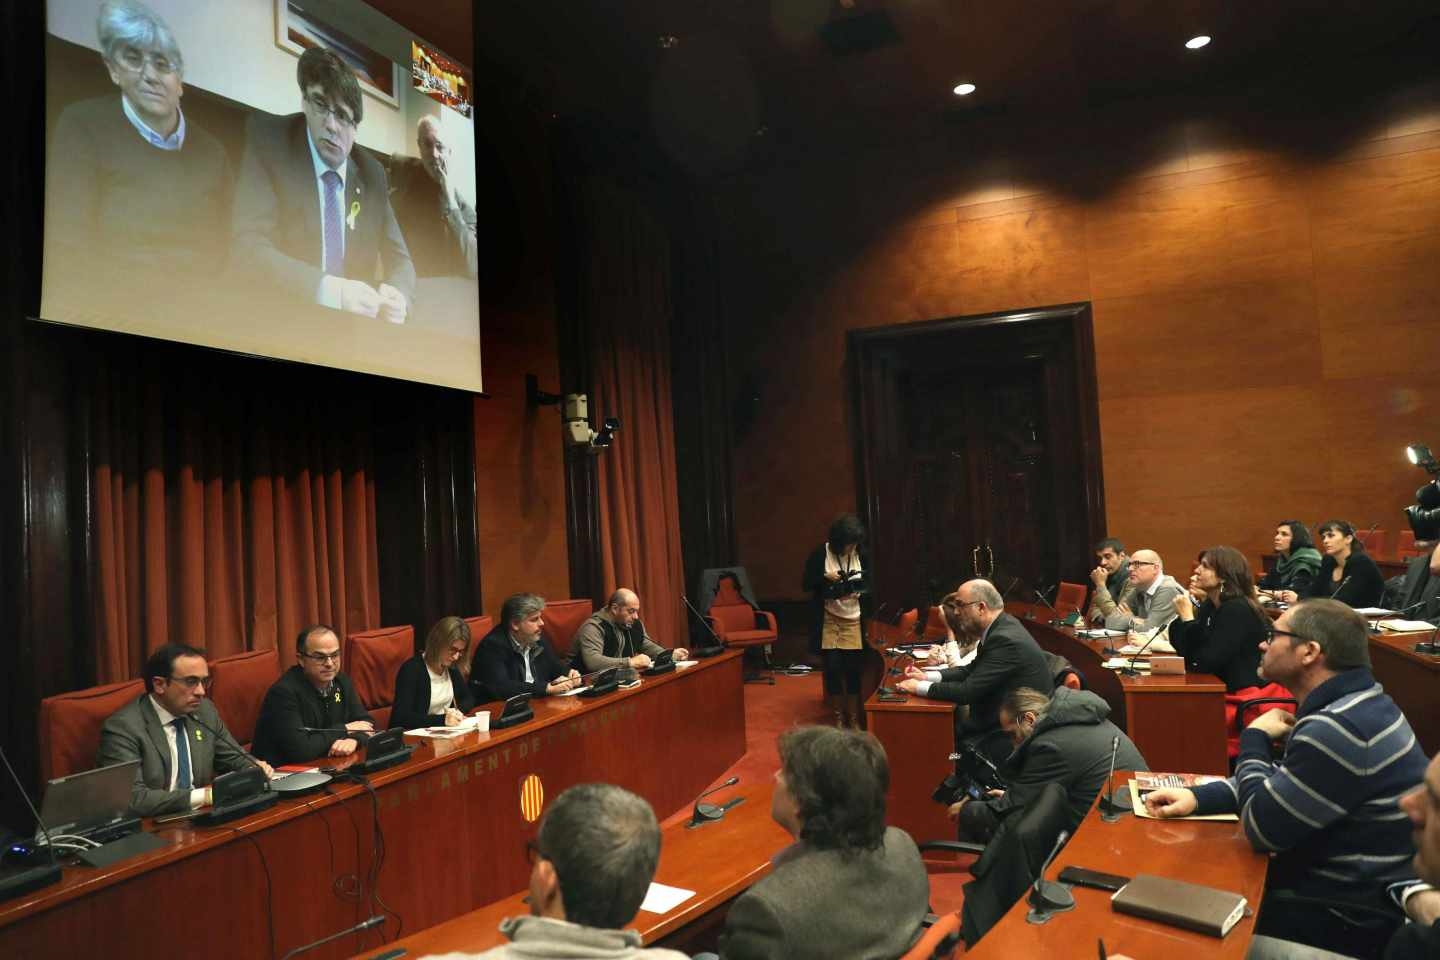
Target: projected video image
{"x": 248, "y": 175}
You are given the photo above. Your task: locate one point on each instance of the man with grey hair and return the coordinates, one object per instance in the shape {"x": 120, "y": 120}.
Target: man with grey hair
{"x": 1148, "y": 600}
{"x": 514, "y": 658}
{"x": 616, "y": 637}
{"x": 438, "y": 222}
{"x": 592, "y": 863}
{"x": 135, "y": 194}
{"x": 1007, "y": 658}
{"x": 1326, "y": 812}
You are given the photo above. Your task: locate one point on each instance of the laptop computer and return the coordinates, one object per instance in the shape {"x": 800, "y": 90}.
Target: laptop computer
{"x": 90, "y": 802}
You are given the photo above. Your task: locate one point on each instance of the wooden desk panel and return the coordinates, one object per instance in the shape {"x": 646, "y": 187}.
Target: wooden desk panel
{"x": 454, "y": 806}
{"x": 918, "y": 736}
{"x": 719, "y": 861}
{"x": 1214, "y": 854}
{"x": 1413, "y": 682}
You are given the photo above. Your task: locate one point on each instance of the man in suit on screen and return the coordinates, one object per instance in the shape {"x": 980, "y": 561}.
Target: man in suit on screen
{"x": 175, "y": 732}
{"x": 312, "y": 215}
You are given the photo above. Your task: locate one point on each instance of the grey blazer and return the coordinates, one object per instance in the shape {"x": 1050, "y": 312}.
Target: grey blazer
{"x": 134, "y": 733}
{"x": 820, "y": 904}
{"x": 1154, "y": 611}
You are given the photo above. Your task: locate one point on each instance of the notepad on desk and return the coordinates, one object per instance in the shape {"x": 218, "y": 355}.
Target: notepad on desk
{"x": 1406, "y": 626}
{"x": 1100, "y": 634}
{"x": 1122, "y": 663}
{"x": 1176, "y": 902}
{"x": 662, "y": 899}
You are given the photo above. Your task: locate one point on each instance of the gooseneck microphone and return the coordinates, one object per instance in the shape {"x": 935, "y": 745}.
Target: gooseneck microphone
{"x": 703, "y": 622}
{"x": 1110, "y": 807}
{"x": 360, "y": 927}
{"x": 1050, "y": 896}
{"x": 707, "y": 812}
{"x": 1129, "y": 669}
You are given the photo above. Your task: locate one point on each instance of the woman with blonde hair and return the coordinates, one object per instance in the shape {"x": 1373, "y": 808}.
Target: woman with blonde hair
{"x": 432, "y": 688}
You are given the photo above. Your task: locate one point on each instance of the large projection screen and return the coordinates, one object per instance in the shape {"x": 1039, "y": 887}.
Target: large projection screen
{"x": 194, "y": 191}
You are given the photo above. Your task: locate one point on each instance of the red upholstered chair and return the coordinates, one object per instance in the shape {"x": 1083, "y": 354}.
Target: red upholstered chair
{"x": 936, "y": 629}
{"x": 1243, "y": 706}
{"x": 479, "y": 626}
{"x": 1405, "y": 548}
{"x": 70, "y": 726}
{"x": 562, "y": 619}
{"x": 736, "y": 622}
{"x": 906, "y": 625}
{"x": 240, "y": 684}
{"x": 373, "y": 659}
{"x": 1070, "y": 598}
{"x": 1377, "y": 543}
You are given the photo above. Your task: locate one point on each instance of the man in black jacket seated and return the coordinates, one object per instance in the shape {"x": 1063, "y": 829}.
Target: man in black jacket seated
{"x": 1420, "y": 938}
{"x": 515, "y": 658}
{"x": 615, "y": 637}
{"x": 1419, "y": 585}
{"x": 1008, "y": 657}
{"x": 313, "y": 694}
{"x": 1062, "y": 739}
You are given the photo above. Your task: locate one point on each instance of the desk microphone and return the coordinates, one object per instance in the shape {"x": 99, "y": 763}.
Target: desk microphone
{"x": 1375, "y": 624}
{"x": 1047, "y": 603}
{"x": 1428, "y": 647}
{"x": 1361, "y": 539}
{"x": 719, "y": 644}
{"x": 1049, "y": 896}
{"x": 706, "y": 812}
{"x": 1006, "y": 592}
{"x": 360, "y": 927}
{"x": 223, "y": 734}
{"x": 1129, "y": 669}
{"x": 1336, "y": 594}
{"x": 1110, "y": 807}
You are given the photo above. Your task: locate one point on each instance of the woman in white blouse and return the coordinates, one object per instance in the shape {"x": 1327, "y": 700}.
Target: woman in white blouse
{"x": 432, "y": 689}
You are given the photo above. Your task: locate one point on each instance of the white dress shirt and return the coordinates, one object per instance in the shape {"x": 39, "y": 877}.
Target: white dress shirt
{"x": 167, "y": 720}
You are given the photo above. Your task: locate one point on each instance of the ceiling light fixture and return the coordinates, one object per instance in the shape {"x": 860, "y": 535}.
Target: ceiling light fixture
{"x": 964, "y": 89}
{"x": 1195, "y": 43}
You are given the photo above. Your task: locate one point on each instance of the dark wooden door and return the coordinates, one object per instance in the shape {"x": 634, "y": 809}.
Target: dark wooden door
{"x": 978, "y": 452}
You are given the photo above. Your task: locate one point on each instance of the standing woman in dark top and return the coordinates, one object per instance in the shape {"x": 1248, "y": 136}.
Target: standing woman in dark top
{"x": 1296, "y": 562}
{"x": 1347, "y": 573}
{"x": 1224, "y": 634}
{"x": 432, "y": 688}
{"x": 836, "y": 628}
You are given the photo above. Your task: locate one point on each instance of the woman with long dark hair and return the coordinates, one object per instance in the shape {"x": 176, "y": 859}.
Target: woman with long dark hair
{"x": 1347, "y": 573}
{"x": 835, "y": 576}
{"x": 1223, "y": 635}
{"x": 1296, "y": 562}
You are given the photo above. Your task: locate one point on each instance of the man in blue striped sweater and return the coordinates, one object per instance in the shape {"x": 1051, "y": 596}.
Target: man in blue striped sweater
{"x": 1328, "y": 810}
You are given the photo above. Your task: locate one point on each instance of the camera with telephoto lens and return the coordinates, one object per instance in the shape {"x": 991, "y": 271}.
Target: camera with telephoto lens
{"x": 1424, "y": 513}
{"x": 974, "y": 777}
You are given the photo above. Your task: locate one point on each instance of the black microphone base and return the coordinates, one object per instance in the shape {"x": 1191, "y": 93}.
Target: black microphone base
{"x": 1048, "y": 898}
{"x": 700, "y": 653}
{"x": 1115, "y": 806}
{"x": 232, "y": 811}
{"x": 704, "y": 813}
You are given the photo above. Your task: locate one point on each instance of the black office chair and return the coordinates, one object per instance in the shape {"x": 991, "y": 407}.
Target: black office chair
{"x": 1010, "y": 862}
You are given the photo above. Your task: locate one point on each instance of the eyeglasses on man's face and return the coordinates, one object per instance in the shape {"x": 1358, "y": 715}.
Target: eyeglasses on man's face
{"x": 136, "y": 60}
{"x": 1272, "y": 632}
{"x": 191, "y": 683}
{"x": 323, "y": 657}
{"x": 324, "y": 108}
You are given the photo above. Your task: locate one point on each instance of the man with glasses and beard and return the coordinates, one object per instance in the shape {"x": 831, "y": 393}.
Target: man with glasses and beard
{"x": 1326, "y": 811}
{"x": 313, "y": 694}
{"x": 175, "y": 732}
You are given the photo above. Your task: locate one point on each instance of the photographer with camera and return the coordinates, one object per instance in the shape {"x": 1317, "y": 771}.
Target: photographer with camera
{"x": 835, "y": 577}
{"x": 1417, "y": 592}
{"x": 1066, "y": 739}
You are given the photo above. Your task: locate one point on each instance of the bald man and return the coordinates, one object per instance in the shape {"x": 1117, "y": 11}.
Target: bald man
{"x": 438, "y": 223}
{"x": 615, "y": 637}
{"x": 1148, "y": 600}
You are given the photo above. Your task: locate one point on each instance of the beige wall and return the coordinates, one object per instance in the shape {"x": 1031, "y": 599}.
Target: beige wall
{"x": 1266, "y": 301}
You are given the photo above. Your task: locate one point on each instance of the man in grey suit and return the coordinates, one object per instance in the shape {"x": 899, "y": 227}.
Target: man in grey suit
{"x": 830, "y": 795}
{"x": 1148, "y": 600}
{"x": 175, "y": 732}
{"x": 312, "y": 216}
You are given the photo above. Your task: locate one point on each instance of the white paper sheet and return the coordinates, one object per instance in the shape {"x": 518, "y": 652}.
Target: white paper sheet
{"x": 663, "y": 899}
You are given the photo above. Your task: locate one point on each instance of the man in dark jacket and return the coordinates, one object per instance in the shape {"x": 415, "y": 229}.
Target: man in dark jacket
{"x": 1008, "y": 658}
{"x": 514, "y": 657}
{"x": 616, "y": 637}
{"x": 313, "y": 694}
{"x": 1064, "y": 739}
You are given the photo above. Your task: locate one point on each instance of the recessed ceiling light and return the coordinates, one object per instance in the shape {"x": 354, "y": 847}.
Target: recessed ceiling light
{"x": 964, "y": 89}
{"x": 1195, "y": 43}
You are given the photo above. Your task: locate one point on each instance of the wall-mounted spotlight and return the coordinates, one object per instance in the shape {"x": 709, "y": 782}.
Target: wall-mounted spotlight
{"x": 1420, "y": 455}
{"x": 574, "y": 415}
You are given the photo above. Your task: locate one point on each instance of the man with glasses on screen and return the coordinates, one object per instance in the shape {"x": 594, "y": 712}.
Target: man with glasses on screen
{"x": 312, "y": 214}
{"x": 134, "y": 192}
{"x": 312, "y": 711}
{"x": 438, "y": 222}
{"x": 175, "y": 732}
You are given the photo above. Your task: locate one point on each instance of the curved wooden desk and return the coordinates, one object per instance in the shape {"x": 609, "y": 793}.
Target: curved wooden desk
{"x": 454, "y": 832}
{"x": 719, "y": 861}
{"x": 1211, "y": 853}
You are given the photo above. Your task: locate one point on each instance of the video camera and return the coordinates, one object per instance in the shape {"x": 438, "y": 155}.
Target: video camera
{"x": 974, "y": 777}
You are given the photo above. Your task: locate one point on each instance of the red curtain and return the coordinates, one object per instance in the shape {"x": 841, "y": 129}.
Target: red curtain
{"x": 229, "y": 511}
{"x": 629, "y": 312}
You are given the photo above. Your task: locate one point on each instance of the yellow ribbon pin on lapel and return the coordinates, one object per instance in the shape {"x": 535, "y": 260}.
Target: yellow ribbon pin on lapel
{"x": 354, "y": 212}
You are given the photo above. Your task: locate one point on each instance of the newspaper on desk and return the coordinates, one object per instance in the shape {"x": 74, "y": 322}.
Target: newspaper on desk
{"x": 468, "y": 725}
{"x": 1145, "y": 783}
{"x": 1406, "y": 626}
